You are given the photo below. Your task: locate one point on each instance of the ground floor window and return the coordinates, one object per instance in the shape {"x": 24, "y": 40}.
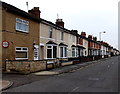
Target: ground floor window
{"x": 75, "y": 52}
{"x": 63, "y": 51}
{"x": 91, "y": 52}
{"x": 51, "y": 51}
{"x": 21, "y": 53}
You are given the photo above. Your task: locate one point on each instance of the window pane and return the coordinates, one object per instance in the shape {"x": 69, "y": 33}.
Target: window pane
{"x": 25, "y": 49}
{"x": 18, "y": 48}
{"x": 73, "y": 52}
{"x": 54, "y": 51}
{"x": 61, "y": 36}
{"x": 49, "y": 53}
{"x": 17, "y": 26}
{"x": 21, "y": 54}
{"x": 50, "y": 32}
{"x": 22, "y": 27}
{"x": 26, "y": 28}
{"x": 49, "y": 46}
{"x": 61, "y": 51}
{"x": 65, "y": 52}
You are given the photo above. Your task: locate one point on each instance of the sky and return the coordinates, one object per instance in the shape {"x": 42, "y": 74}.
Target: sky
{"x": 90, "y": 16}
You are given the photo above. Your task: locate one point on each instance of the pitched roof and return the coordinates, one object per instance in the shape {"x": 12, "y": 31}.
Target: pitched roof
{"x": 17, "y": 11}
{"x": 51, "y": 42}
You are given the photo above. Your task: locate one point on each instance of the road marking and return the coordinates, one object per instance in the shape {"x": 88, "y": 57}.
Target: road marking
{"x": 75, "y": 88}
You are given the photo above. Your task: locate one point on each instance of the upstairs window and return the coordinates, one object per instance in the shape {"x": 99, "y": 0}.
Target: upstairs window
{"x": 50, "y": 32}
{"x": 73, "y": 38}
{"x": 61, "y": 35}
{"x": 22, "y": 25}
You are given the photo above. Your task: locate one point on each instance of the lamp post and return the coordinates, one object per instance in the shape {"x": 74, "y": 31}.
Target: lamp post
{"x": 100, "y": 35}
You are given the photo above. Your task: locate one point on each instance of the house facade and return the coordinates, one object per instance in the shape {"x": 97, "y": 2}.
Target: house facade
{"x": 24, "y": 36}
{"x": 21, "y": 31}
{"x": 55, "y": 40}
{"x": 82, "y": 41}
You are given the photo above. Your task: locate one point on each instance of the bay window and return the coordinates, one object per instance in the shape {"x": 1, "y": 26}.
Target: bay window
{"x": 63, "y": 51}
{"x": 51, "y": 51}
{"x": 74, "y": 52}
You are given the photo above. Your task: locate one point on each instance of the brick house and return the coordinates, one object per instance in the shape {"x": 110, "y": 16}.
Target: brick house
{"x": 21, "y": 30}
{"x": 82, "y": 41}
{"x": 93, "y": 46}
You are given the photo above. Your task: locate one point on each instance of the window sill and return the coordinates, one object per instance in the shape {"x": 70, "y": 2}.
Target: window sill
{"x": 21, "y": 58}
{"x": 22, "y": 31}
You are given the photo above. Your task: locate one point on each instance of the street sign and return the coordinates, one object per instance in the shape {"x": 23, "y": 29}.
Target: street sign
{"x": 5, "y": 44}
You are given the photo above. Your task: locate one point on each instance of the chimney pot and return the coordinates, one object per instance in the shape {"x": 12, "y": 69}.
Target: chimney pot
{"x": 83, "y": 34}
{"x": 90, "y": 37}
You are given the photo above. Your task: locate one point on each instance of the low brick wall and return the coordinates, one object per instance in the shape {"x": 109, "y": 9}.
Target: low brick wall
{"x": 67, "y": 63}
{"x": 37, "y": 66}
{"x": 25, "y": 66}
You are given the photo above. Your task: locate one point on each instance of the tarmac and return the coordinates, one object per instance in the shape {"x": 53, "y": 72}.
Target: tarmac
{"x": 4, "y": 84}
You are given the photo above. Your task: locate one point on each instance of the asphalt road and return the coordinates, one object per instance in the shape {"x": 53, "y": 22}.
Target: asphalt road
{"x": 98, "y": 77}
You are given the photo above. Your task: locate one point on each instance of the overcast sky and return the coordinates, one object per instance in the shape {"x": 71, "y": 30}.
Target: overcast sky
{"x": 90, "y": 16}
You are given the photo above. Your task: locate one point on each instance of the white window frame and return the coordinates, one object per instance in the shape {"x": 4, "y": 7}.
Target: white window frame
{"x": 51, "y": 49}
{"x": 23, "y": 22}
{"x": 63, "y": 52}
{"x": 21, "y": 51}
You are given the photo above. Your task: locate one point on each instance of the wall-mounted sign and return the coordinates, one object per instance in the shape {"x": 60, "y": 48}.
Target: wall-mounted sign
{"x": 5, "y": 44}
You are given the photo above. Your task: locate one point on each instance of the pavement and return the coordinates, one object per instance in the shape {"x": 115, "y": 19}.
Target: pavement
{"x": 5, "y": 84}
{"x": 64, "y": 69}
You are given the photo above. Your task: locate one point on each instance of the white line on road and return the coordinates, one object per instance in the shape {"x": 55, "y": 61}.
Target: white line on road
{"x": 75, "y": 88}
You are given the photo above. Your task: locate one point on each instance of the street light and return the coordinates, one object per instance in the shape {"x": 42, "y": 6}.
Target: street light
{"x": 100, "y": 34}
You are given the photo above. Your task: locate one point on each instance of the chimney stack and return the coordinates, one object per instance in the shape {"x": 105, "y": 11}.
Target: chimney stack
{"x": 74, "y": 32}
{"x": 35, "y": 11}
{"x": 83, "y": 34}
{"x": 90, "y": 37}
{"x": 95, "y": 38}
{"x": 60, "y": 22}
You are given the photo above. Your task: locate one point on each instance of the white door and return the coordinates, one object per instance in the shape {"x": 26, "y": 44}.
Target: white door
{"x": 35, "y": 52}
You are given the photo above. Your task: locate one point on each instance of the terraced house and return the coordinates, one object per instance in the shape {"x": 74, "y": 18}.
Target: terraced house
{"x": 54, "y": 42}
{"x": 37, "y": 43}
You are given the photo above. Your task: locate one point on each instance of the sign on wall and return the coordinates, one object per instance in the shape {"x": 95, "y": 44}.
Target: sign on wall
{"x": 5, "y": 44}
